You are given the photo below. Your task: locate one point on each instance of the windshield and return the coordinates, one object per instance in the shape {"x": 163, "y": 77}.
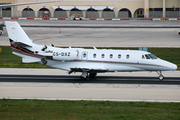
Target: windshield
{"x": 149, "y": 56}
{"x": 152, "y": 56}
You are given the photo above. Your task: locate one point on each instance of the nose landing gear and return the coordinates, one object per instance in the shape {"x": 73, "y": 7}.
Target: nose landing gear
{"x": 161, "y": 77}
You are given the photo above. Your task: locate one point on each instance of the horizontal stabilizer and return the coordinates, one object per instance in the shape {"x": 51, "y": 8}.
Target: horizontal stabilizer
{"x": 30, "y": 60}
{"x": 27, "y": 59}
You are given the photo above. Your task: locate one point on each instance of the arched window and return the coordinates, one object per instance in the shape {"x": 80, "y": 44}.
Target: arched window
{"x": 28, "y": 12}
{"x": 60, "y": 13}
{"x": 139, "y": 13}
{"x": 92, "y": 13}
{"x": 74, "y": 13}
{"x": 44, "y": 12}
{"x": 6, "y": 11}
{"x": 124, "y": 13}
{"x": 108, "y": 13}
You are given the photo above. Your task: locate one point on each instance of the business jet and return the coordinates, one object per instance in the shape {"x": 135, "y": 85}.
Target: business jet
{"x": 87, "y": 61}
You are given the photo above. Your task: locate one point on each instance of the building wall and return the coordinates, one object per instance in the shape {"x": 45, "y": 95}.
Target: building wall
{"x": 155, "y": 3}
{"x": 170, "y": 3}
{"x": 131, "y": 5}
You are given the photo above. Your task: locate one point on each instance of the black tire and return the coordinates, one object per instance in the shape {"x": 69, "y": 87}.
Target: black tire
{"x": 92, "y": 75}
{"x": 161, "y": 77}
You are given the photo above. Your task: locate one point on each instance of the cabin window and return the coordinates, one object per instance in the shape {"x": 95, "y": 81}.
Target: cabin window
{"x": 147, "y": 57}
{"x": 36, "y": 52}
{"x": 94, "y": 55}
{"x": 143, "y": 57}
{"x": 127, "y": 56}
{"x": 111, "y": 56}
{"x": 102, "y": 55}
{"x": 84, "y": 55}
{"x": 119, "y": 56}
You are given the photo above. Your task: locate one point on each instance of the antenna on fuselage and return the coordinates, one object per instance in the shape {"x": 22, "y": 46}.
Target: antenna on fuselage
{"x": 94, "y": 47}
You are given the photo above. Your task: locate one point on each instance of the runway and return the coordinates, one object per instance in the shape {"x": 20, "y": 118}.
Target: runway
{"x": 53, "y": 84}
{"x": 97, "y": 80}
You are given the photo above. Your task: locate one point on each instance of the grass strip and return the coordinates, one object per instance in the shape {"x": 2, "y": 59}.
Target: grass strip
{"x": 90, "y": 110}
{"x": 8, "y": 60}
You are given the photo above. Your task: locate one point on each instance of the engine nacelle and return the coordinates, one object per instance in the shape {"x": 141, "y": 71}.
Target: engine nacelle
{"x": 65, "y": 55}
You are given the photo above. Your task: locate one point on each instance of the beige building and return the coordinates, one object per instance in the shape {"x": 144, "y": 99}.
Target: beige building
{"x": 94, "y": 9}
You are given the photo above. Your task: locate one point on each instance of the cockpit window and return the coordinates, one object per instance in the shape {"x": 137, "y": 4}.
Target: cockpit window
{"x": 142, "y": 56}
{"x": 152, "y": 56}
{"x": 147, "y": 56}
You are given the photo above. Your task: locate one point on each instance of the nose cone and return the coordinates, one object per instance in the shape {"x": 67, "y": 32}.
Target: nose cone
{"x": 168, "y": 65}
{"x": 171, "y": 66}
{"x": 174, "y": 67}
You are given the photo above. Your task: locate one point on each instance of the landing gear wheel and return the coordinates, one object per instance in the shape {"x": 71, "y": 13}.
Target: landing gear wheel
{"x": 1, "y": 32}
{"x": 84, "y": 75}
{"x": 82, "y": 78}
{"x": 92, "y": 75}
{"x": 161, "y": 77}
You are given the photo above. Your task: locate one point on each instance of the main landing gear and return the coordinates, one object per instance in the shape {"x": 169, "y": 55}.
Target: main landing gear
{"x": 85, "y": 75}
{"x": 161, "y": 77}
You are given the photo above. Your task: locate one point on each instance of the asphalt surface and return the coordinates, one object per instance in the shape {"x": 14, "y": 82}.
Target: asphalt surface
{"x": 99, "y": 24}
{"x": 53, "y": 84}
{"x": 98, "y": 79}
{"x": 101, "y": 33}
{"x": 57, "y": 85}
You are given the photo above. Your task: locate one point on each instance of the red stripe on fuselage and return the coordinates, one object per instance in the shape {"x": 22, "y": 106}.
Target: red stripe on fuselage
{"x": 31, "y": 54}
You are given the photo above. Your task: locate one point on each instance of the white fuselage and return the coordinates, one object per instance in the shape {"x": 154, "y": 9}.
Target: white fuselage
{"x": 90, "y": 61}
{"x": 110, "y": 60}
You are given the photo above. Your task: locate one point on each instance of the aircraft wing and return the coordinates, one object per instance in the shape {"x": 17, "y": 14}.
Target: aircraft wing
{"x": 6, "y": 5}
{"x": 89, "y": 70}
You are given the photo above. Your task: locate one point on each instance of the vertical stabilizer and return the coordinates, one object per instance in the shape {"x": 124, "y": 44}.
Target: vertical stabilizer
{"x": 16, "y": 33}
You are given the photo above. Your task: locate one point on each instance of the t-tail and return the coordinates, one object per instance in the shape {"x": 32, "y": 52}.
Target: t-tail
{"x": 16, "y": 34}
{"x": 20, "y": 43}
